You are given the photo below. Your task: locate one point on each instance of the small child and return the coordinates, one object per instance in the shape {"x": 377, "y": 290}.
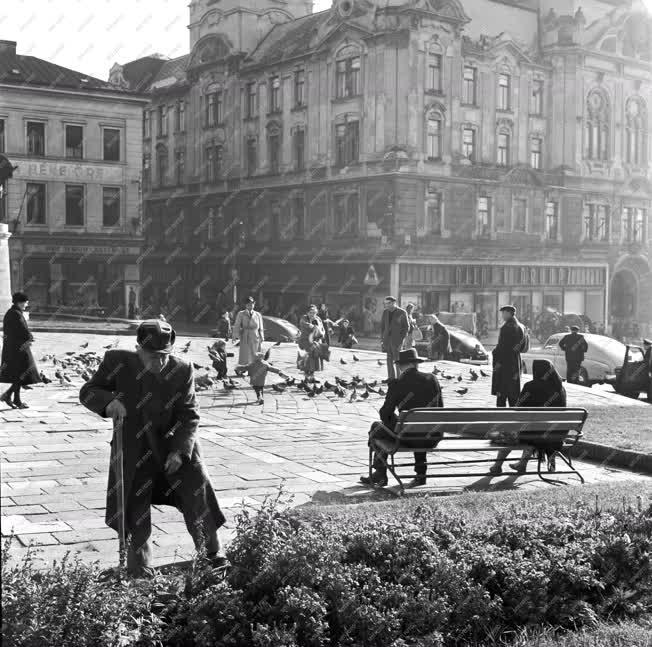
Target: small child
{"x": 258, "y": 370}
{"x": 346, "y": 335}
{"x": 217, "y": 352}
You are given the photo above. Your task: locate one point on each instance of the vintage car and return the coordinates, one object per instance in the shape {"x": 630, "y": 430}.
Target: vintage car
{"x": 464, "y": 347}
{"x": 635, "y": 375}
{"x": 600, "y": 362}
{"x": 276, "y": 329}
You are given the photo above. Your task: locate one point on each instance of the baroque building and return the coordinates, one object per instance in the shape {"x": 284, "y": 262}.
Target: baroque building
{"x": 472, "y": 152}
{"x": 73, "y": 204}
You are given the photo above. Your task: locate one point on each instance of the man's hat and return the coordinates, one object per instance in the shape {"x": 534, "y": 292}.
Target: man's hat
{"x": 575, "y": 328}
{"x": 511, "y": 309}
{"x": 390, "y": 298}
{"x": 19, "y": 297}
{"x": 250, "y": 300}
{"x": 408, "y": 356}
{"x": 647, "y": 342}
{"x": 156, "y": 335}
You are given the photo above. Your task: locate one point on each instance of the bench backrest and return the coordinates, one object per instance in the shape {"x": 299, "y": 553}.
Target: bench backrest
{"x": 478, "y": 423}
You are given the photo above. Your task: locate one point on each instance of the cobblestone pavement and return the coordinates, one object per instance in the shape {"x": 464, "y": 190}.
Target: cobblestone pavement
{"x": 55, "y": 454}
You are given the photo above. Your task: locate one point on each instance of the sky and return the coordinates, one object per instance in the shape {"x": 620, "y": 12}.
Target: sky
{"x": 91, "y": 35}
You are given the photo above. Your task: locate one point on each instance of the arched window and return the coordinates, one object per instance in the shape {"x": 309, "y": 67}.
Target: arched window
{"x": 162, "y": 164}
{"x": 635, "y": 132}
{"x": 597, "y": 125}
{"x": 434, "y": 130}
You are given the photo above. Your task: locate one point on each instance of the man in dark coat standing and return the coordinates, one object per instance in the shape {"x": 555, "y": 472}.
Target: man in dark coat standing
{"x": 574, "y": 346}
{"x": 512, "y": 341}
{"x": 412, "y": 390}
{"x": 17, "y": 366}
{"x": 152, "y": 394}
{"x": 441, "y": 340}
{"x": 394, "y": 328}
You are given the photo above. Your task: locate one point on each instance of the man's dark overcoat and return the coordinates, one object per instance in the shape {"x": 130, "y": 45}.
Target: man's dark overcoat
{"x": 512, "y": 341}
{"x": 163, "y": 405}
{"x": 17, "y": 365}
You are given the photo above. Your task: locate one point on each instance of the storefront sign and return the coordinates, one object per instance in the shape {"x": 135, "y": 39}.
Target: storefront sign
{"x": 66, "y": 171}
{"x": 82, "y": 250}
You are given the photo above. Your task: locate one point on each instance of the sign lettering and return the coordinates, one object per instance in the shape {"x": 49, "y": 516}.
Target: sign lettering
{"x": 69, "y": 171}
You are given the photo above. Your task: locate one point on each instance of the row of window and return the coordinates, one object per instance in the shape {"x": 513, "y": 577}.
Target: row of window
{"x": 35, "y": 141}
{"x": 36, "y": 205}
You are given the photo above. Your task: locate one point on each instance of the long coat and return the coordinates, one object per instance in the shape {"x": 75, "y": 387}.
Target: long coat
{"x": 17, "y": 365}
{"x": 393, "y": 334}
{"x": 574, "y": 346}
{"x": 512, "y": 341}
{"x": 248, "y": 328}
{"x": 162, "y": 414}
{"x": 312, "y": 330}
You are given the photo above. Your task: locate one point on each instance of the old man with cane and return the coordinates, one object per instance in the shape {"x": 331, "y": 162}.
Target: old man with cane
{"x": 150, "y": 395}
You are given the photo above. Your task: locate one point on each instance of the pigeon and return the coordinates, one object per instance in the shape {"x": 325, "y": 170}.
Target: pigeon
{"x": 84, "y": 345}
{"x": 365, "y": 395}
{"x": 474, "y": 375}
{"x": 436, "y": 371}
{"x": 107, "y": 346}
{"x": 342, "y": 360}
{"x": 328, "y": 385}
{"x": 236, "y": 342}
{"x": 355, "y": 358}
{"x": 196, "y": 366}
{"x": 290, "y": 381}
{"x": 340, "y": 392}
{"x": 279, "y": 388}
{"x": 373, "y": 383}
{"x": 66, "y": 378}
{"x": 318, "y": 390}
{"x": 45, "y": 379}
{"x": 311, "y": 393}
{"x": 354, "y": 395}
{"x": 266, "y": 355}
{"x": 448, "y": 377}
{"x": 380, "y": 362}
{"x": 483, "y": 373}
{"x": 459, "y": 378}
{"x": 70, "y": 353}
{"x": 381, "y": 391}
{"x": 461, "y": 391}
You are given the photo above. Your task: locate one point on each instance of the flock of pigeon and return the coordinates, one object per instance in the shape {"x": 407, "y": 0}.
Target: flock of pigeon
{"x": 82, "y": 364}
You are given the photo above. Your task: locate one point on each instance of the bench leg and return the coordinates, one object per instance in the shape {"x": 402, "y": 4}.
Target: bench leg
{"x": 569, "y": 462}
{"x": 371, "y": 461}
{"x": 392, "y": 468}
{"x": 540, "y": 457}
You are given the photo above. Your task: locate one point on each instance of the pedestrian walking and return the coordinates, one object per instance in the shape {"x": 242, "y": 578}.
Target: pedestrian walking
{"x": 258, "y": 370}
{"x": 312, "y": 342}
{"x": 574, "y": 346}
{"x": 151, "y": 394}
{"x": 17, "y": 366}
{"x": 512, "y": 341}
{"x": 131, "y": 314}
{"x": 393, "y": 330}
{"x": 413, "y": 334}
{"x": 544, "y": 390}
{"x": 248, "y": 329}
{"x": 412, "y": 389}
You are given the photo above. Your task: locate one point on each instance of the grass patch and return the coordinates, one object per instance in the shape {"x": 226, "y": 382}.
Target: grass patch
{"x": 626, "y": 427}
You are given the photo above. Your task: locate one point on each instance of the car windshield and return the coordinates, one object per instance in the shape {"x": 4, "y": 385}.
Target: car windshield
{"x": 552, "y": 341}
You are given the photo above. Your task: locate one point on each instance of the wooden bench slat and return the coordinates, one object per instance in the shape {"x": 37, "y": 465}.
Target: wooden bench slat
{"x": 479, "y": 416}
{"x": 422, "y": 428}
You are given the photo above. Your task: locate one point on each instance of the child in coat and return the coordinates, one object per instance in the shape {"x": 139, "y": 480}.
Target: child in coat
{"x": 258, "y": 370}
{"x": 346, "y": 336}
{"x": 217, "y": 352}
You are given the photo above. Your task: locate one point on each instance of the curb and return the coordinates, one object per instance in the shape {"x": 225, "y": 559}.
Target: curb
{"x": 613, "y": 457}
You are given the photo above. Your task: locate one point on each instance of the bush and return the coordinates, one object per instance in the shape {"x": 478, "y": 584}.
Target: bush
{"x": 410, "y": 574}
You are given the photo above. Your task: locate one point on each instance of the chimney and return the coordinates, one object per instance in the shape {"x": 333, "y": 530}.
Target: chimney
{"x": 8, "y": 48}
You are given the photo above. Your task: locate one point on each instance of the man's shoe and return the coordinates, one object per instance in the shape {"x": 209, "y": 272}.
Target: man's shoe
{"x": 7, "y": 401}
{"x": 143, "y": 573}
{"x": 417, "y": 481}
{"x": 519, "y": 467}
{"x": 495, "y": 470}
{"x": 20, "y": 405}
{"x": 217, "y": 561}
{"x": 376, "y": 479}
{"x": 552, "y": 464}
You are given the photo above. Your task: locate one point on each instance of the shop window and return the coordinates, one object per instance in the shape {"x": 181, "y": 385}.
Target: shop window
{"x": 75, "y": 142}
{"x": 519, "y": 215}
{"x": 552, "y": 220}
{"x": 504, "y": 92}
{"x": 345, "y": 220}
{"x": 347, "y": 143}
{"x": 347, "y": 77}
{"x": 110, "y": 206}
{"x": 596, "y": 222}
{"x": 535, "y": 152}
{"x": 468, "y": 143}
{"x": 536, "y": 97}
{"x": 300, "y": 87}
{"x": 35, "y": 138}
{"x": 35, "y": 204}
{"x": 74, "y": 205}
{"x": 111, "y": 145}
{"x": 469, "y": 85}
{"x": 484, "y": 216}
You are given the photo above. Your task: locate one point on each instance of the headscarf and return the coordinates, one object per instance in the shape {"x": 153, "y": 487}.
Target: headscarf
{"x": 546, "y": 388}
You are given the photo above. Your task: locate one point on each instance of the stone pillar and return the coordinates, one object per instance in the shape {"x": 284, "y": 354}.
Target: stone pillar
{"x": 5, "y": 274}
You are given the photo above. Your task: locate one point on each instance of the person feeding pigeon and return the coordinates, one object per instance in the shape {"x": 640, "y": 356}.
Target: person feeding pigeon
{"x": 258, "y": 370}
{"x": 217, "y": 353}
{"x": 18, "y": 367}
{"x": 151, "y": 393}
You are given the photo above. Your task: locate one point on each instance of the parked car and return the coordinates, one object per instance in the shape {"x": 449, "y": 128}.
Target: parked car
{"x": 604, "y": 355}
{"x": 635, "y": 374}
{"x": 276, "y": 330}
{"x": 465, "y": 347}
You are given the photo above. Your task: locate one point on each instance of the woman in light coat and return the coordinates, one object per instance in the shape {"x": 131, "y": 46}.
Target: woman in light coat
{"x": 248, "y": 328}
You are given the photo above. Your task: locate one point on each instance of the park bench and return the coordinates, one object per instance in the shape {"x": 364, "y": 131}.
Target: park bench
{"x": 468, "y": 431}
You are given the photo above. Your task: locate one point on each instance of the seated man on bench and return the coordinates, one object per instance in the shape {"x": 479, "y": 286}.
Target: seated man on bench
{"x": 412, "y": 390}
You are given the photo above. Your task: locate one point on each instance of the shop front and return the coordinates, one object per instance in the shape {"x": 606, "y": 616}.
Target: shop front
{"x": 91, "y": 279}
{"x": 483, "y": 288}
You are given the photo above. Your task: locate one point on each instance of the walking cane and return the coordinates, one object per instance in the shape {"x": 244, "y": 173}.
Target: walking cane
{"x": 120, "y": 491}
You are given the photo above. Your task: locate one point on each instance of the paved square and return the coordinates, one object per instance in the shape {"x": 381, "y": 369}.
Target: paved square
{"x": 55, "y": 454}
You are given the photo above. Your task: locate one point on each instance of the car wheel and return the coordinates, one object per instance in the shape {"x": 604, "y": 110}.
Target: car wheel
{"x": 583, "y": 378}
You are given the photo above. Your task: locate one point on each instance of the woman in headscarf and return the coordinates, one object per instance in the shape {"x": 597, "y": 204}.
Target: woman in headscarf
{"x": 18, "y": 367}
{"x": 544, "y": 390}
{"x": 248, "y": 328}
{"x": 410, "y": 338}
{"x": 310, "y": 340}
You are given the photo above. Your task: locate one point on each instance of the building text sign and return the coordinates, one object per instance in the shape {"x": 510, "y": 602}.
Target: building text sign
{"x": 67, "y": 171}
{"x": 87, "y": 250}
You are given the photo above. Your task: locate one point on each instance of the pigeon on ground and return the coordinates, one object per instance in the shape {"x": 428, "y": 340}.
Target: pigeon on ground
{"x": 381, "y": 391}
{"x": 279, "y": 388}
{"x": 107, "y": 346}
{"x": 236, "y": 342}
{"x": 461, "y": 391}
{"x": 354, "y": 395}
{"x": 355, "y": 358}
{"x": 365, "y": 395}
{"x": 84, "y": 345}
{"x": 328, "y": 385}
{"x": 45, "y": 379}
{"x": 372, "y": 383}
{"x": 474, "y": 375}
{"x": 66, "y": 378}
{"x": 196, "y": 366}
{"x": 448, "y": 377}
{"x": 290, "y": 381}
{"x": 318, "y": 390}
{"x": 342, "y": 360}
{"x": 483, "y": 373}
{"x": 70, "y": 353}
{"x": 436, "y": 371}
{"x": 340, "y": 392}
{"x": 459, "y": 378}
{"x": 311, "y": 393}
{"x": 266, "y": 355}
{"x": 380, "y": 362}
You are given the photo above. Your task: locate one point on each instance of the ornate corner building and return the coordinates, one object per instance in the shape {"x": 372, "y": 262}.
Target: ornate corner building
{"x": 474, "y": 152}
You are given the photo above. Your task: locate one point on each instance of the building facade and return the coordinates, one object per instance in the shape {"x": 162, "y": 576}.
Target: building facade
{"x": 74, "y": 202}
{"x": 458, "y": 153}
